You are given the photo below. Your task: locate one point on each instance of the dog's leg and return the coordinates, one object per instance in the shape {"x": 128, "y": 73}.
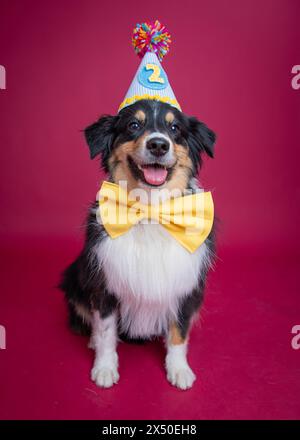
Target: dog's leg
{"x": 104, "y": 341}
{"x": 179, "y": 372}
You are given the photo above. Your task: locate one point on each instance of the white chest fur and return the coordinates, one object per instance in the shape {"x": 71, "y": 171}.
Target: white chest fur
{"x": 149, "y": 272}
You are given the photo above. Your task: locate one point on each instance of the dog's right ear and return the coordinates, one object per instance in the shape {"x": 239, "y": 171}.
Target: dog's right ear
{"x": 100, "y": 136}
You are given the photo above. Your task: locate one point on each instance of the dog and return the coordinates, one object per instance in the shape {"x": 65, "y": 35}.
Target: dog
{"x": 143, "y": 284}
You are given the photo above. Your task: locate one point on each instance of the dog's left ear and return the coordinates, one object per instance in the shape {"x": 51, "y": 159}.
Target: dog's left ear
{"x": 100, "y": 136}
{"x": 201, "y": 138}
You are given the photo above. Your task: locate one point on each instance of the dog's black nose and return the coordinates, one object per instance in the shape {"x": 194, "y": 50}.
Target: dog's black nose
{"x": 158, "y": 146}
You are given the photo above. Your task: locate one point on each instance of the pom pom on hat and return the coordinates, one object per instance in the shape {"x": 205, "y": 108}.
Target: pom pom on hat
{"x": 151, "y": 37}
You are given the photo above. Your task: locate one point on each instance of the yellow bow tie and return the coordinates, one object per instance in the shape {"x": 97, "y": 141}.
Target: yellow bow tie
{"x": 188, "y": 218}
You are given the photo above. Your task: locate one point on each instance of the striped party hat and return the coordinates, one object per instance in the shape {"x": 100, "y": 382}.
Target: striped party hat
{"x": 151, "y": 42}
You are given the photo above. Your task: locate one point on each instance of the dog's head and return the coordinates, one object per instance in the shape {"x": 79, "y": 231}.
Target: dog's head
{"x": 150, "y": 144}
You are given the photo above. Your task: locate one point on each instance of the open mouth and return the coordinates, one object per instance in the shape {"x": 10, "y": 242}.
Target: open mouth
{"x": 154, "y": 174}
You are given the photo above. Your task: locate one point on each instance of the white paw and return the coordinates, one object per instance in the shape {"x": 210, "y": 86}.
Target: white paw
{"x": 105, "y": 377}
{"x": 181, "y": 377}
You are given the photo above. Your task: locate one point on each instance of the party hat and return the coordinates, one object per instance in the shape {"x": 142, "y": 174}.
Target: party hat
{"x": 151, "y": 42}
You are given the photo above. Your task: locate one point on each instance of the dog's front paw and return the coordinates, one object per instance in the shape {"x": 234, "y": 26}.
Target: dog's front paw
{"x": 181, "y": 377}
{"x": 105, "y": 377}
{"x": 105, "y": 371}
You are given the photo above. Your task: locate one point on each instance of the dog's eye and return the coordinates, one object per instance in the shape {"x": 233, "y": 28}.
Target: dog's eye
{"x": 133, "y": 126}
{"x": 174, "y": 128}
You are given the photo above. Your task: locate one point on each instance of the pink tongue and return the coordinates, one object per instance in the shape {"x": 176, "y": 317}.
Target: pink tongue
{"x": 155, "y": 176}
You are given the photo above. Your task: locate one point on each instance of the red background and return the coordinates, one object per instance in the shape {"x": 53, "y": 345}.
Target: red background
{"x": 230, "y": 65}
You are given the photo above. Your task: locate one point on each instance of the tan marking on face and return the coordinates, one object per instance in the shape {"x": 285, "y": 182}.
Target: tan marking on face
{"x": 175, "y": 337}
{"x": 120, "y": 170}
{"x": 140, "y": 116}
{"x": 182, "y": 171}
{"x": 118, "y": 163}
{"x": 169, "y": 117}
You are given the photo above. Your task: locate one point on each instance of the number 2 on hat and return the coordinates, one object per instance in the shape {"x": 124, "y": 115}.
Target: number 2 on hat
{"x": 155, "y": 77}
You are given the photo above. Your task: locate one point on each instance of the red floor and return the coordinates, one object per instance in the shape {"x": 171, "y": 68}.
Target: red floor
{"x": 241, "y": 353}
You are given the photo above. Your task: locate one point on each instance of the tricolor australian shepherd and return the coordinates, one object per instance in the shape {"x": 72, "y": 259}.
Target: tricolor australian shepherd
{"x": 144, "y": 283}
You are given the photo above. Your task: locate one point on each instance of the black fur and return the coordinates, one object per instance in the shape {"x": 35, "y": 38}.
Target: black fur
{"x": 76, "y": 323}
{"x": 110, "y": 131}
{"x": 100, "y": 137}
{"x": 83, "y": 281}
